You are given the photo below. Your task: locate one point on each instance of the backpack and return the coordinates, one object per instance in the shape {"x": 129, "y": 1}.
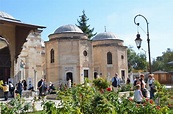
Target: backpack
{"x": 114, "y": 83}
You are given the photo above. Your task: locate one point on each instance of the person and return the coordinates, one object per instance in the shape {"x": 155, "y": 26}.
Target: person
{"x": 115, "y": 82}
{"x": 151, "y": 85}
{"x": 138, "y": 97}
{"x": 40, "y": 87}
{"x": 51, "y": 89}
{"x": 44, "y": 87}
{"x": 143, "y": 86}
{"x": 136, "y": 81}
{"x": 24, "y": 84}
{"x": 128, "y": 81}
{"x": 11, "y": 88}
{"x": 19, "y": 88}
{"x": 5, "y": 90}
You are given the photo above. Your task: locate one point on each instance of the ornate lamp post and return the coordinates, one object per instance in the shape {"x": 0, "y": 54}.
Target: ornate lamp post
{"x": 138, "y": 40}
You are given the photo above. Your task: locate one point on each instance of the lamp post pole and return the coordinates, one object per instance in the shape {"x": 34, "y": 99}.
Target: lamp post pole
{"x": 148, "y": 39}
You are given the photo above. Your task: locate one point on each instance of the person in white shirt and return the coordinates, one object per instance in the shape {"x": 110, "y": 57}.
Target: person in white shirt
{"x": 138, "y": 97}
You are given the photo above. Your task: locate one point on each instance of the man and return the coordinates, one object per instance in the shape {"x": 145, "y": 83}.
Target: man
{"x": 115, "y": 82}
{"x": 19, "y": 88}
{"x": 40, "y": 87}
{"x": 5, "y": 90}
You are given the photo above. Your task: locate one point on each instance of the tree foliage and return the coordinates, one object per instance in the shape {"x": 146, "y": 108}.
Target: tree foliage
{"x": 82, "y": 24}
{"x": 161, "y": 62}
{"x": 136, "y": 61}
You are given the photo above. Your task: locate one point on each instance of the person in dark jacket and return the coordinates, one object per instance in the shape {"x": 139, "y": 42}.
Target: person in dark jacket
{"x": 19, "y": 88}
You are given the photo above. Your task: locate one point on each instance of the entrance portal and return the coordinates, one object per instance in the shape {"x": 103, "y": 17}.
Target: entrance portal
{"x": 69, "y": 76}
{"x": 5, "y": 64}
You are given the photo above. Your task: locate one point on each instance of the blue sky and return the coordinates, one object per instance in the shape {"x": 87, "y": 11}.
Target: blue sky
{"x": 116, "y": 15}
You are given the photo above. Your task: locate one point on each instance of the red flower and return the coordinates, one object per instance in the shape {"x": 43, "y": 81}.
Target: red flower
{"x": 109, "y": 89}
{"x": 147, "y": 99}
{"x": 158, "y": 107}
{"x": 151, "y": 101}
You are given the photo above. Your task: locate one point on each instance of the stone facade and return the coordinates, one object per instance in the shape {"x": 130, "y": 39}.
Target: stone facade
{"x": 71, "y": 55}
{"x": 30, "y": 62}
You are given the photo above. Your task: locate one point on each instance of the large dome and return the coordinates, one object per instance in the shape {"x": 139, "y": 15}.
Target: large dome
{"x": 5, "y": 15}
{"x": 104, "y": 36}
{"x": 68, "y": 28}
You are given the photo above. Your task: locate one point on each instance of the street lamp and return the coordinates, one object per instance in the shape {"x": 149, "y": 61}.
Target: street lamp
{"x": 138, "y": 40}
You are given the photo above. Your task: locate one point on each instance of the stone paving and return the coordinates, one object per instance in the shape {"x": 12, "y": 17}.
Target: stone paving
{"x": 29, "y": 99}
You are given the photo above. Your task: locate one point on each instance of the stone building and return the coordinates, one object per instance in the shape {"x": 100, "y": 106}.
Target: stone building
{"x": 15, "y": 33}
{"x": 30, "y": 64}
{"x": 70, "y": 55}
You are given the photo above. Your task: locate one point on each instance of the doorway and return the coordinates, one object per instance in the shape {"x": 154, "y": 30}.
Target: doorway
{"x": 5, "y": 64}
{"x": 69, "y": 76}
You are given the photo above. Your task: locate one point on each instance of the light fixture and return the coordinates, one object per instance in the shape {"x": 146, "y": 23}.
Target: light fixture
{"x": 138, "y": 41}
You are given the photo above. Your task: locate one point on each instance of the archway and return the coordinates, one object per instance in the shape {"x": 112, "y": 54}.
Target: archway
{"x": 5, "y": 64}
{"x": 69, "y": 76}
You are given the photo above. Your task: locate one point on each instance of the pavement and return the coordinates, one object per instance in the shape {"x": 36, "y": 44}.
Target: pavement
{"x": 30, "y": 99}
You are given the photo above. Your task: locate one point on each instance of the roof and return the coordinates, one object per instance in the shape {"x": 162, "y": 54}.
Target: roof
{"x": 105, "y": 36}
{"x": 68, "y": 28}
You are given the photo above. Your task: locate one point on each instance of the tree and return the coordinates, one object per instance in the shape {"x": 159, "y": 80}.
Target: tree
{"x": 84, "y": 27}
{"x": 136, "y": 61}
{"x": 161, "y": 62}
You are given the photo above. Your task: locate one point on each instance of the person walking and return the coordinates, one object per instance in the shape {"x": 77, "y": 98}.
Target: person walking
{"x": 11, "y": 88}
{"x": 115, "y": 82}
{"x": 19, "y": 88}
{"x": 5, "y": 90}
{"x": 40, "y": 87}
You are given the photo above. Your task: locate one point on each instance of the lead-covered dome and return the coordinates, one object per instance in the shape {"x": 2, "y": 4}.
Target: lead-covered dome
{"x": 5, "y": 15}
{"x": 68, "y": 28}
{"x": 104, "y": 36}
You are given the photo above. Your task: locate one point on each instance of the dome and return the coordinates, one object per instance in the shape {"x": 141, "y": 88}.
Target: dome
{"x": 68, "y": 28}
{"x": 104, "y": 36}
{"x": 5, "y": 15}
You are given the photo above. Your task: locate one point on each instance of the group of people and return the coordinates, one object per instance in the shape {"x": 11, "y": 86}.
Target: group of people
{"x": 13, "y": 89}
{"x": 144, "y": 89}
{"x": 44, "y": 88}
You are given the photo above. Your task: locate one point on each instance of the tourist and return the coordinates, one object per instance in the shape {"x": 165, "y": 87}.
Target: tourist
{"x": 40, "y": 86}
{"x": 11, "y": 88}
{"x": 151, "y": 85}
{"x": 5, "y": 90}
{"x": 138, "y": 97}
{"x": 19, "y": 88}
{"x": 115, "y": 82}
{"x": 24, "y": 84}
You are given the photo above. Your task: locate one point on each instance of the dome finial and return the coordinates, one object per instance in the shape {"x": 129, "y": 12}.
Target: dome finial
{"x": 105, "y": 28}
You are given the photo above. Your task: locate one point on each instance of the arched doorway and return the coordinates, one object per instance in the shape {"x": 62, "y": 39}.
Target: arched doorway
{"x": 5, "y": 64}
{"x": 69, "y": 76}
{"x": 95, "y": 75}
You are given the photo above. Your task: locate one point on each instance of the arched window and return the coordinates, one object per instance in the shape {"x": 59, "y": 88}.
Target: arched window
{"x": 109, "y": 58}
{"x": 52, "y": 56}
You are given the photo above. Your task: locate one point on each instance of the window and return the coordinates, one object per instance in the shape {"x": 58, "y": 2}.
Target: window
{"x": 52, "y": 56}
{"x": 86, "y": 73}
{"x": 109, "y": 58}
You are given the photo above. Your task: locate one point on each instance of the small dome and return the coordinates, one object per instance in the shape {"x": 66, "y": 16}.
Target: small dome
{"x": 104, "y": 36}
{"x": 68, "y": 28}
{"x": 5, "y": 15}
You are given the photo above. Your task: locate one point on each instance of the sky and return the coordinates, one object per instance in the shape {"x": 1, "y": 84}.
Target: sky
{"x": 116, "y": 15}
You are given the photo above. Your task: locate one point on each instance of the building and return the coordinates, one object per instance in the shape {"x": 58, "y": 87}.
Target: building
{"x": 70, "y": 55}
{"x": 15, "y": 33}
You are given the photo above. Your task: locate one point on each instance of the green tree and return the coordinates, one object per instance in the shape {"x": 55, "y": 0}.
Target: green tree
{"x": 136, "y": 61}
{"x": 161, "y": 62}
{"x": 82, "y": 24}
